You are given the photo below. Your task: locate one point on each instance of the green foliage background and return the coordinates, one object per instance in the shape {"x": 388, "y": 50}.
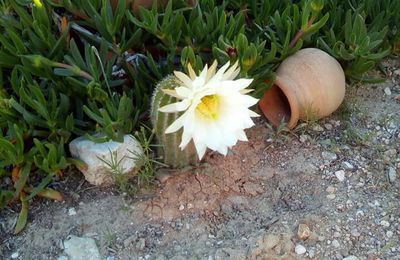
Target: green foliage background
{"x": 70, "y": 68}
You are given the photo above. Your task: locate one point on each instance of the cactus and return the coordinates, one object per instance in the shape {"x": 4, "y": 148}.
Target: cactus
{"x": 169, "y": 143}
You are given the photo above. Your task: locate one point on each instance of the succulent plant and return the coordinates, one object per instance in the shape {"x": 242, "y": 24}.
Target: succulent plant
{"x": 169, "y": 149}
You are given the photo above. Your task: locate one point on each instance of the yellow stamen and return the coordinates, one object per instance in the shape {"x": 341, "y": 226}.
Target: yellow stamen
{"x": 209, "y": 107}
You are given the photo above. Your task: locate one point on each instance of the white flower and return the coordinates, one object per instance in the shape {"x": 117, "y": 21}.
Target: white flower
{"x": 216, "y": 108}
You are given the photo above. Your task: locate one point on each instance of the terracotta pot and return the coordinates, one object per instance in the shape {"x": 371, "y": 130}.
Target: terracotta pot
{"x": 309, "y": 84}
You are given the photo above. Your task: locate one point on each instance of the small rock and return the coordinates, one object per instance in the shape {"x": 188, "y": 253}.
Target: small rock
{"x": 388, "y": 92}
{"x": 181, "y": 207}
{"x": 340, "y": 175}
{"x": 328, "y": 126}
{"x": 15, "y": 255}
{"x": 96, "y": 156}
{"x": 336, "y": 234}
{"x": 299, "y": 249}
{"x": 311, "y": 253}
{"x": 351, "y": 257}
{"x": 331, "y": 196}
{"x": 317, "y": 128}
{"x": 385, "y": 223}
{"x": 81, "y": 248}
{"x": 389, "y": 234}
{"x": 329, "y": 156}
{"x": 347, "y": 166}
{"x": 331, "y": 189}
{"x": 335, "y": 243}
{"x": 397, "y": 97}
{"x": 303, "y": 232}
{"x": 71, "y": 212}
{"x": 141, "y": 244}
{"x": 392, "y": 174}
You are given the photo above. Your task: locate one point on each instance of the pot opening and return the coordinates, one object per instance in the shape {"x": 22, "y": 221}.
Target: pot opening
{"x": 275, "y": 106}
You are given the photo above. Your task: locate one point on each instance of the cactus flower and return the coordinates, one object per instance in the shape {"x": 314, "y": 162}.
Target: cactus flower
{"x": 215, "y": 108}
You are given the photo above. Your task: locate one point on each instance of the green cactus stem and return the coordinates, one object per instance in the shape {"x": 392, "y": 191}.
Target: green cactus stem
{"x": 169, "y": 143}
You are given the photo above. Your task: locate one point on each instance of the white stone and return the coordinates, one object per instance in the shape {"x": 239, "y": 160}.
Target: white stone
{"x": 97, "y": 171}
{"x": 317, "y": 128}
{"x": 71, "y": 212}
{"x": 385, "y": 223}
{"x": 392, "y": 174}
{"x": 388, "y": 91}
{"x": 81, "y": 248}
{"x": 15, "y": 255}
{"x": 389, "y": 234}
{"x": 347, "y": 166}
{"x": 299, "y": 249}
{"x": 335, "y": 243}
{"x": 328, "y": 126}
{"x": 340, "y": 175}
{"x": 329, "y": 156}
{"x": 331, "y": 196}
{"x": 351, "y": 257}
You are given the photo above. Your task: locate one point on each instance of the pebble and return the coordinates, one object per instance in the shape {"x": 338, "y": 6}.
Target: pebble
{"x": 15, "y": 255}
{"x": 340, "y": 175}
{"x": 385, "y": 223}
{"x": 299, "y": 249}
{"x": 331, "y": 196}
{"x": 81, "y": 248}
{"x": 328, "y": 126}
{"x": 392, "y": 174}
{"x": 331, "y": 189}
{"x": 335, "y": 243}
{"x": 329, "y": 156}
{"x": 311, "y": 253}
{"x": 304, "y": 232}
{"x": 351, "y": 257}
{"x": 389, "y": 234}
{"x": 71, "y": 212}
{"x": 387, "y": 91}
{"x": 347, "y": 166}
{"x": 317, "y": 128}
{"x": 181, "y": 207}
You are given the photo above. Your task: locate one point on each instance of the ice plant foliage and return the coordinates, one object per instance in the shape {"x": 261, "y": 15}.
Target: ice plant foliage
{"x": 215, "y": 108}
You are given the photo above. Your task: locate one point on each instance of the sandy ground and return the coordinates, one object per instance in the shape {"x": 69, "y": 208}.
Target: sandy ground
{"x": 330, "y": 187}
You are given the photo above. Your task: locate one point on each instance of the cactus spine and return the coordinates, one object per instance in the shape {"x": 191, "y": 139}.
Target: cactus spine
{"x": 169, "y": 143}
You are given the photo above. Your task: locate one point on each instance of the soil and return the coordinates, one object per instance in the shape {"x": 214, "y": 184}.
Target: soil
{"x": 271, "y": 197}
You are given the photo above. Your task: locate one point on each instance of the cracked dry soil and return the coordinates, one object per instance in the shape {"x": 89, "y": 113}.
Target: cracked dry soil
{"x": 252, "y": 203}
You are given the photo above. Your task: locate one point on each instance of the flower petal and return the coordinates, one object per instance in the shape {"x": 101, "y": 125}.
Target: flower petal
{"x": 176, "y": 125}
{"x": 220, "y": 73}
{"x": 171, "y": 92}
{"x": 211, "y": 70}
{"x": 183, "y": 78}
{"x": 175, "y": 107}
{"x": 192, "y": 74}
{"x": 232, "y": 72}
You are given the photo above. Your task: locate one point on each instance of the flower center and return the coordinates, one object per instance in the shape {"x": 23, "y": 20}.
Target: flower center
{"x": 208, "y": 107}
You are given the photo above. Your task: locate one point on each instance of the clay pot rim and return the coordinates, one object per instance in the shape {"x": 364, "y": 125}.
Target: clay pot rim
{"x": 291, "y": 98}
